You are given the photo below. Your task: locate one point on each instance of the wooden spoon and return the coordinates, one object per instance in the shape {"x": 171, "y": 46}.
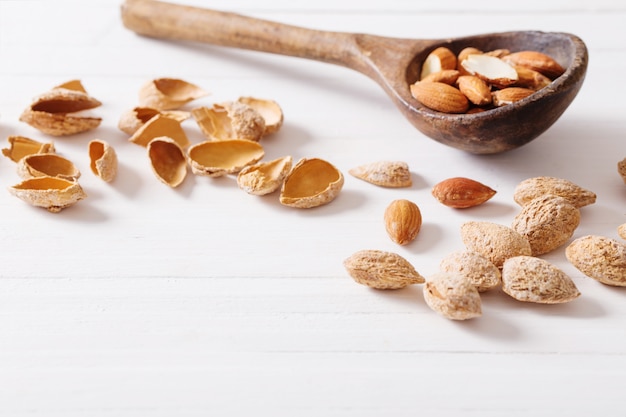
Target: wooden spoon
{"x": 393, "y": 63}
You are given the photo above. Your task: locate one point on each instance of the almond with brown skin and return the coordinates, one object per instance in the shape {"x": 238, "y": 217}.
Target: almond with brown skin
{"x": 510, "y": 95}
{"x": 440, "y": 97}
{"x": 449, "y": 77}
{"x": 536, "y": 61}
{"x": 460, "y": 192}
{"x": 475, "y": 89}
{"x": 439, "y": 59}
{"x": 403, "y": 221}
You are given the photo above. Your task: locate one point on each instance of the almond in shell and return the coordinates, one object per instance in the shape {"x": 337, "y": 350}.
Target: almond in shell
{"x": 392, "y": 174}
{"x": 381, "y": 270}
{"x": 600, "y": 258}
{"x": 534, "y": 187}
{"x": 453, "y": 296}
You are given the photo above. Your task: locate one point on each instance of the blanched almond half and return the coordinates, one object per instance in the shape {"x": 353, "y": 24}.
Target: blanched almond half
{"x": 47, "y": 165}
{"x": 53, "y": 194}
{"x": 311, "y": 183}
{"x": 103, "y": 160}
{"x": 491, "y": 69}
{"x": 160, "y": 125}
{"x": 268, "y": 109}
{"x": 439, "y": 59}
{"x": 231, "y": 120}
{"x": 132, "y": 120}
{"x": 217, "y": 158}
{"x": 168, "y": 161}
{"x": 20, "y": 146}
{"x": 264, "y": 177}
{"x": 168, "y": 93}
{"x": 392, "y": 174}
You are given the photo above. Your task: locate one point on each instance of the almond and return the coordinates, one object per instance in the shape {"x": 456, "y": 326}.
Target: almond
{"x": 494, "y": 241}
{"x": 531, "y": 188}
{"x": 536, "y": 61}
{"x": 439, "y": 59}
{"x": 381, "y": 270}
{"x": 600, "y": 258}
{"x": 510, "y": 95}
{"x": 449, "y": 77}
{"x": 460, "y": 192}
{"x": 440, "y": 97}
{"x": 475, "y": 89}
{"x": 530, "y": 78}
{"x": 403, "y": 221}
{"x": 491, "y": 69}
{"x": 453, "y": 296}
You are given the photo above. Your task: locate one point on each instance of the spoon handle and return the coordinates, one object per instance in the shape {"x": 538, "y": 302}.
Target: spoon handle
{"x": 172, "y": 21}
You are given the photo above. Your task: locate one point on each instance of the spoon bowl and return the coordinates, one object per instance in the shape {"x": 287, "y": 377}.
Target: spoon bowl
{"x": 394, "y": 63}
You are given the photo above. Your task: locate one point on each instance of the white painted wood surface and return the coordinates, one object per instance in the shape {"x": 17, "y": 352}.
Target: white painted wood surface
{"x": 147, "y": 301}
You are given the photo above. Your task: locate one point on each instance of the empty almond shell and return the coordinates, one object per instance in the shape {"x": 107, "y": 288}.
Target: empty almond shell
{"x": 311, "y": 183}
{"x": 160, "y": 125}
{"x": 268, "y": 109}
{"x": 20, "y": 146}
{"x": 217, "y": 158}
{"x": 132, "y": 120}
{"x": 232, "y": 120}
{"x": 53, "y": 194}
{"x": 168, "y": 161}
{"x": 392, "y": 174}
{"x": 103, "y": 160}
{"x": 264, "y": 177}
{"x": 47, "y": 165}
{"x": 168, "y": 93}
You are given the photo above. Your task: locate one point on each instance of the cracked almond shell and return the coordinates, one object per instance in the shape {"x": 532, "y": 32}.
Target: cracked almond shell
{"x": 47, "y": 165}
{"x": 218, "y": 158}
{"x": 311, "y": 183}
{"x": 133, "y": 119}
{"x": 264, "y": 177}
{"x": 53, "y": 194}
{"x": 271, "y": 112}
{"x": 381, "y": 270}
{"x": 231, "y": 120}
{"x": 102, "y": 160}
{"x": 160, "y": 125}
{"x": 391, "y": 174}
{"x": 168, "y": 93}
{"x": 168, "y": 161}
{"x": 20, "y": 146}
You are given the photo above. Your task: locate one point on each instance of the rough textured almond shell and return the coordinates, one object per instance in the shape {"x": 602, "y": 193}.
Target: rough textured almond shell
{"x": 311, "y": 183}
{"x": 531, "y": 188}
{"x": 381, "y": 270}
{"x": 20, "y": 146}
{"x": 461, "y": 192}
{"x": 391, "y": 174}
{"x": 535, "y": 280}
{"x": 600, "y": 258}
{"x": 75, "y": 85}
{"x": 536, "y": 61}
{"x": 231, "y": 120}
{"x": 53, "y": 194}
{"x": 264, "y": 177}
{"x": 453, "y": 296}
{"x": 47, "y": 165}
{"x": 440, "y": 97}
{"x": 547, "y": 222}
{"x": 168, "y": 93}
{"x": 480, "y": 271}
{"x": 494, "y": 241}
{"x": 59, "y": 124}
{"x": 270, "y": 110}
{"x": 158, "y": 126}
{"x": 403, "y": 221}
{"x": 133, "y": 119}
{"x": 621, "y": 169}
{"x": 168, "y": 161}
{"x": 218, "y": 158}
{"x": 102, "y": 160}
{"x": 621, "y": 230}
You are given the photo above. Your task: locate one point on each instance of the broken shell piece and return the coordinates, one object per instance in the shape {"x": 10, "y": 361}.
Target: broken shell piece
{"x": 75, "y": 85}
{"x": 20, "y": 146}
{"x": 269, "y": 110}
{"x": 392, "y": 174}
{"x": 264, "y": 177}
{"x": 157, "y": 126}
{"x": 168, "y": 93}
{"x": 232, "y": 120}
{"x": 53, "y": 112}
{"x": 103, "y": 160}
{"x": 47, "y": 165}
{"x": 53, "y": 194}
{"x": 168, "y": 161}
{"x": 311, "y": 183}
{"x": 218, "y": 158}
{"x": 132, "y": 120}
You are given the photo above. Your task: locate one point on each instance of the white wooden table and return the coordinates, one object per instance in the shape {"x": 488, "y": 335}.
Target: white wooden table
{"x": 203, "y": 300}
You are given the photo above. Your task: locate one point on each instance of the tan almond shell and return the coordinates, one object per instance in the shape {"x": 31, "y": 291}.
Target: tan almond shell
{"x": 621, "y": 169}
{"x": 102, "y": 160}
{"x": 75, "y": 85}
{"x": 381, "y": 270}
{"x": 53, "y": 194}
{"x": 600, "y": 258}
{"x": 168, "y": 161}
{"x": 20, "y": 146}
{"x": 231, "y": 120}
{"x": 453, "y": 296}
{"x": 535, "y": 280}
{"x": 47, "y": 165}
{"x": 547, "y": 222}
{"x": 168, "y": 93}
{"x": 264, "y": 177}
{"x": 494, "y": 241}
{"x": 391, "y": 174}
{"x": 480, "y": 271}
{"x": 270, "y": 110}
{"x": 311, "y": 183}
{"x": 160, "y": 125}
{"x": 531, "y": 188}
{"x": 133, "y": 119}
{"x": 621, "y": 230}
{"x": 218, "y": 158}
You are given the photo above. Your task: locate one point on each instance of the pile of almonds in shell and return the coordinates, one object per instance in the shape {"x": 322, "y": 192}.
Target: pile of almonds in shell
{"x": 233, "y": 131}
{"x": 496, "y": 255}
{"x": 474, "y": 81}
